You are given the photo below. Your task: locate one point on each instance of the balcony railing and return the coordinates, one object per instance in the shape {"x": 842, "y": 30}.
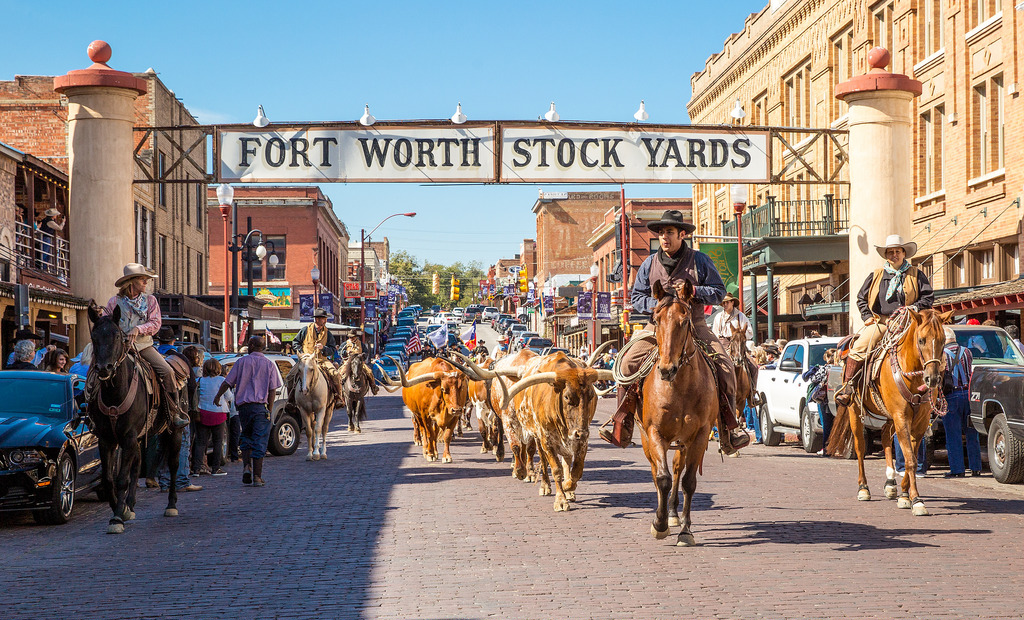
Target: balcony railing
{"x": 794, "y": 218}
{"x": 42, "y": 251}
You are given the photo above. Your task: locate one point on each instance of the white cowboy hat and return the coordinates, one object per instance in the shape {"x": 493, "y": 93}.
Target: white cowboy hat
{"x": 51, "y": 212}
{"x": 896, "y": 241}
{"x": 134, "y": 270}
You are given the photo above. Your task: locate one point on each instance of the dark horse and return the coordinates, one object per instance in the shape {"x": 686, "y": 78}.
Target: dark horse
{"x": 677, "y": 406}
{"x": 122, "y": 412}
{"x": 354, "y": 391}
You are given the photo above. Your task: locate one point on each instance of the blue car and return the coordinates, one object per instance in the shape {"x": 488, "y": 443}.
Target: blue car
{"x": 48, "y": 452}
{"x": 386, "y": 366}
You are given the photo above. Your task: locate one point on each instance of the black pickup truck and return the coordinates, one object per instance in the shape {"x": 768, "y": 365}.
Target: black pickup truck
{"x": 997, "y": 397}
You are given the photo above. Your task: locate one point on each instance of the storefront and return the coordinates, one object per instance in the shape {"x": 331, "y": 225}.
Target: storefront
{"x": 54, "y": 316}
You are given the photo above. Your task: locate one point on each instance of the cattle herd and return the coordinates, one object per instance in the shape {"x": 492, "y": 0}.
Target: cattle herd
{"x": 541, "y": 404}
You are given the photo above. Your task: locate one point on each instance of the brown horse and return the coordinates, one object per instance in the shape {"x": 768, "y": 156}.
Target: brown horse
{"x": 737, "y": 347}
{"x": 905, "y": 393}
{"x": 677, "y": 406}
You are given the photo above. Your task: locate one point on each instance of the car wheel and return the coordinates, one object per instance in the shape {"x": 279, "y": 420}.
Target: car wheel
{"x": 768, "y": 434}
{"x": 284, "y": 437}
{"x": 62, "y": 499}
{"x": 1005, "y": 452}
{"x": 810, "y": 440}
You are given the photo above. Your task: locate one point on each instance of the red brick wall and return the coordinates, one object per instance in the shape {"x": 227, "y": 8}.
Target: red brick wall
{"x": 563, "y": 227}
{"x": 38, "y": 124}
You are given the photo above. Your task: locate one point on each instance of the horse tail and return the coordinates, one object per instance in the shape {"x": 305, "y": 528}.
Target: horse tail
{"x": 840, "y": 438}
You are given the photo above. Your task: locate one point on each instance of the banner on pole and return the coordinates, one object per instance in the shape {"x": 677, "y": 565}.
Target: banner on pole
{"x": 583, "y": 308}
{"x": 604, "y": 306}
{"x": 726, "y": 260}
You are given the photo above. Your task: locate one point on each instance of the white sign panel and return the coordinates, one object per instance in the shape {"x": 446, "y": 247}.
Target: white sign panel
{"x": 366, "y": 154}
{"x": 549, "y": 153}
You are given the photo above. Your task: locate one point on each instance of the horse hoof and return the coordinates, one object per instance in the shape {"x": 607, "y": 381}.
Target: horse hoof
{"x": 903, "y": 502}
{"x": 171, "y": 512}
{"x": 127, "y": 515}
{"x": 685, "y": 539}
{"x": 570, "y": 495}
{"x": 863, "y": 495}
{"x": 309, "y": 457}
{"x": 919, "y": 509}
{"x": 115, "y": 528}
{"x": 483, "y": 450}
{"x": 657, "y": 534}
{"x": 890, "y": 489}
{"x": 673, "y": 521}
{"x": 323, "y": 457}
{"x": 446, "y": 459}
{"x": 561, "y": 505}
{"x": 358, "y": 431}
{"x": 544, "y": 491}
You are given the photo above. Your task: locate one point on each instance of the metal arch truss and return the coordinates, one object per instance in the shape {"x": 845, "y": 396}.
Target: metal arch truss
{"x": 818, "y": 156}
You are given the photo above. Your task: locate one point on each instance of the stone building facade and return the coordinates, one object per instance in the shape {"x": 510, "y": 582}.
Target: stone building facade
{"x": 783, "y": 67}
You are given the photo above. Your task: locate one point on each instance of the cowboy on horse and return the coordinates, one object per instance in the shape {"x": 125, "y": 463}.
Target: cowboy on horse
{"x": 354, "y": 347}
{"x": 731, "y": 320}
{"x": 896, "y": 284}
{"x": 318, "y": 341}
{"x": 673, "y": 264}
{"x": 140, "y": 321}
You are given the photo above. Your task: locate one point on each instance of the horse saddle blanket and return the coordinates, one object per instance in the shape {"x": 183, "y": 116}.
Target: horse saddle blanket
{"x": 181, "y": 369}
{"x": 845, "y": 345}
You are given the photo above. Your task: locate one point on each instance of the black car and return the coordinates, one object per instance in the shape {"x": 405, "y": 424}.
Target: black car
{"x": 48, "y": 452}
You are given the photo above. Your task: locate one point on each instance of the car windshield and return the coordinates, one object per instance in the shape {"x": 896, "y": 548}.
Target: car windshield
{"x": 818, "y": 354}
{"x": 45, "y": 398}
{"x": 992, "y": 345}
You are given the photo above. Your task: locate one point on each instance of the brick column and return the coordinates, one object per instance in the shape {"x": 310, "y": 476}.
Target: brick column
{"x": 102, "y": 217}
{"x": 881, "y": 164}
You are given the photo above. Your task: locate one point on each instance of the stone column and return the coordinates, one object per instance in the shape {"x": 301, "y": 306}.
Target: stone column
{"x": 101, "y": 214}
{"x": 881, "y": 165}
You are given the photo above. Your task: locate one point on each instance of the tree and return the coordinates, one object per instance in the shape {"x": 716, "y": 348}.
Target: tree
{"x": 417, "y": 280}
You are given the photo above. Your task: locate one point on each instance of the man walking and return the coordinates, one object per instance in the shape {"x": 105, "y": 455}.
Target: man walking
{"x": 255, "y": 381}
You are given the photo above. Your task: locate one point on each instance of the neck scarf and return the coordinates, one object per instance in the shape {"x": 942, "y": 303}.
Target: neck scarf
{"x": 896, "y": 284}
{"x": 670, "y": 262}
{"x": 139, "y": 305}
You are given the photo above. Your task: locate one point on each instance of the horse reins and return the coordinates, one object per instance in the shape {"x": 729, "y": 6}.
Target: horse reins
{"x": 133, "y": 387}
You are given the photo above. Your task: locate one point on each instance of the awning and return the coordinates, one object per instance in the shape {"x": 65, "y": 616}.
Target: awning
{"x": 291, "y": 325}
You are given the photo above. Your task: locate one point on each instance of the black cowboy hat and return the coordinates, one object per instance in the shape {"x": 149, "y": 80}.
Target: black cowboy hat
{"x": 24, "y": 334}
{"x": 320, "y": 312}
{"x": 671, "y": 218}
{"x": 165, "y": 335}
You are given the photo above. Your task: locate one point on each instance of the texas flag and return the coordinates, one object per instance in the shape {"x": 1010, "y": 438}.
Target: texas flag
{"x": 469, "y": 336}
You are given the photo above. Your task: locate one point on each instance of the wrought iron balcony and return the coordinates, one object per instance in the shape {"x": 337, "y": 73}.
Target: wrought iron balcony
{"x": 793, "y": 218}
{"x": 42, "y": 251}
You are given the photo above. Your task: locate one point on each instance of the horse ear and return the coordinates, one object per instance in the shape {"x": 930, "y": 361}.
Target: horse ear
{"x": 658, "y": 290}
{"x": 947, "y": 317}
{"x": 686, "y": 291}
{"x": 116, "y": 315}
{"x": 94, "y": 312}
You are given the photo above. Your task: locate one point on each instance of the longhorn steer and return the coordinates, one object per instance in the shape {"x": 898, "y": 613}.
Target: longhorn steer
{"x": 555, "y": 401}
{"x": 488, "y": 421}
{"x": 435, "y": 392}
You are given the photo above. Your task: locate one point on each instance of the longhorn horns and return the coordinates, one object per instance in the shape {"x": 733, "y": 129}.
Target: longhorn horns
{"x": 546, "y": 377}
{"x": 598, "y": 352}
{"x": 430, "y": 376}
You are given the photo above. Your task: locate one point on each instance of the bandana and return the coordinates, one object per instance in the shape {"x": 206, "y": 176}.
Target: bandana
{"x": 896, "y": 284}
{"x": 139, "y": 305}
{"x": 670, "y": 262}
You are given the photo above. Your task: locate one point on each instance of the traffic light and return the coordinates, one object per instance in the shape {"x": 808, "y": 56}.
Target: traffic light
{"x": 455, "y": 289}
{"x": 435, "y": 287}
{"x": 627, "y": 329}
{"x": 524, "y": 284}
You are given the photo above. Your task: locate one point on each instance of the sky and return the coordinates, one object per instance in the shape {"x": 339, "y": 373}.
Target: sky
{"x": 322, "y": 61}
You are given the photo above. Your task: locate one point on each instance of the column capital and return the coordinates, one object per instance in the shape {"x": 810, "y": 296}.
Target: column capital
{"x": 877, "y": 78}
{"x": 99, "y": 74}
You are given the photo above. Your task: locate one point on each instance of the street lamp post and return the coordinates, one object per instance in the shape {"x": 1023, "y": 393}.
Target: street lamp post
{"x": 739, "y": 204}
{"x": 225, "y": 196}
{"x": 594, "y": 270}
{"x": 363, "y": 237}
{"x": 314, "y": 275}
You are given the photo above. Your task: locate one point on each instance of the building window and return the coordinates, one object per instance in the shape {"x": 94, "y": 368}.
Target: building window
{"x": 931, "y": 128}
{"x": 986, "y": 264}
{"x": 931, "y": 34}
{"x": 998, "y": 121}
{"x": 200, "y": 274}
{"x": 161, "y": 189}
{"x": 981, "y": 130}
{"x": 1011, "y": 261}
{"x": 927, "y": 266}
{"x": 957, "y": 272}
{"x": 162, "y": 250}
{"x": 188, "y": 270}
{"x": 655, "y": 244}
{"x": 881, "y": 15}
{"x": 280, "y": 249}
{"x": 200, "y": 205}
{"x": 842, "y": 48}
{"x": 760, "y": 110}
{"x": 188, "y": 205}
{"x": 983, "y": 11}
{"x": 797, "y": 88}
{"x": 143, "y": 232}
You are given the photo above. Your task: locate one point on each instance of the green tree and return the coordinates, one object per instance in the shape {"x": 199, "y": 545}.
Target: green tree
{"x": 418, "y": 279}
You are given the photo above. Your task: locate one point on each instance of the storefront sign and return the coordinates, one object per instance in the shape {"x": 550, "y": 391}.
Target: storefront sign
{"x": 472, "y": 153}
{"x": 277, "y": 297}
{"x": 350, "y": 290}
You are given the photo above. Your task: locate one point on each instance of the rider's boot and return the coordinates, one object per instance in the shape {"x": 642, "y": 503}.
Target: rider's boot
{"x": 844, "y": 396}
{"x": 371, "y": 380}
{"x": 621, "y": 434}
{"x": 732, "y": 438}
{"x": 179, "y": 419}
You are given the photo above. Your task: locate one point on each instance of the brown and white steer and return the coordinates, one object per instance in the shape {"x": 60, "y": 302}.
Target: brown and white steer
{"x": 435, "y": 392}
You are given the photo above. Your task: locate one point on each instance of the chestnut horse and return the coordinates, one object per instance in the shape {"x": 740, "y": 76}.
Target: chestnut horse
{"x": 677, "y": 406}
{"x": 737, "y": 347}
{"x": 905, "y": 393}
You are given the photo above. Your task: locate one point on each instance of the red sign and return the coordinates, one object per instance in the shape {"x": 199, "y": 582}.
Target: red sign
{"x": 351, "y": 290}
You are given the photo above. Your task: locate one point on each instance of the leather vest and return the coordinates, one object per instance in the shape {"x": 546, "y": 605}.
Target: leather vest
{"x": 686, "y": 270}
{"x": 312, "y": 339}
{"x": 910, "y": 288}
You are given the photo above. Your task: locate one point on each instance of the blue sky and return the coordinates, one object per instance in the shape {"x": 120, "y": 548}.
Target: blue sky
{"x": 322, "y": 61}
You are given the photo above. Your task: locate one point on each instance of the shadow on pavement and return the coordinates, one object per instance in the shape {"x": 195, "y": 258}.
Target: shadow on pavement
{"x": 841, "y": 535}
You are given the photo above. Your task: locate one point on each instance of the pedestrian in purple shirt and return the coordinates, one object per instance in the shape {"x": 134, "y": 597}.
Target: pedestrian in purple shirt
{"x": 255, "y": 381}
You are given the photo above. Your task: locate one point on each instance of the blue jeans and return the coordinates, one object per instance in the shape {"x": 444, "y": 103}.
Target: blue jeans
{"x": 752, "y": 422}
{"x": 957, "y": 423}
{"x": 183, "y": 458}
{"x": 255, "y": 421}
{"x": 826, "y": 418}
{"x": 901, "y": 463}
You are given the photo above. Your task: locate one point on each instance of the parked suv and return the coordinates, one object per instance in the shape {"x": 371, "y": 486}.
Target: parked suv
{"x": 490, "y": 313}
{"x": 284, "y": 429}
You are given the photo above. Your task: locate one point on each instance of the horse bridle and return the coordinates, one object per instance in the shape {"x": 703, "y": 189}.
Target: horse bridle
{"x": 901, "y": 377}
{"x": 684, "y": 357}
{"x": 133, "y": 387}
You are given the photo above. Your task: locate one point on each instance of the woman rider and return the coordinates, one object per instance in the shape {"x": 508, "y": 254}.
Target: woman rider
{"x": 140, "y": 320}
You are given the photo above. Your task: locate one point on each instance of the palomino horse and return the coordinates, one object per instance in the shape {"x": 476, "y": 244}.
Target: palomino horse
{"x": 312, "y": 397}
{"x": 677, "y": 406}
{"x": 905, "y": 393}
{"x": 122, "y": 412}
{"x": 354, "y": 392}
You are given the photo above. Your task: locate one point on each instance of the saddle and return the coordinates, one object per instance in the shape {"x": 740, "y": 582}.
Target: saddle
{"x": 844, "y": 346}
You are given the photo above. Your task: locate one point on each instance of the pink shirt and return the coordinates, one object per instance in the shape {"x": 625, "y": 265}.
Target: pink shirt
{"x": 252, "y": 377}
{"x": 153, "y": 322}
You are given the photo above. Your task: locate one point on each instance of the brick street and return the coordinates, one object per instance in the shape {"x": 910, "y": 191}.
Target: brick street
{"x": 378, "y": 532}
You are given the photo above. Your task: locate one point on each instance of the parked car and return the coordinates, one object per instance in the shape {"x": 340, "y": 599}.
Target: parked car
{"x": 997, "y": 397}
{"x": 473, "y": 313}
{"x": 537, "y": 344}
{"x": 490, "y": 313}
{"x": 386, "y": 366}
{"x": 48, "y": 452}
{"x": 459, "y": 313}
{"x": 284, "y": 429}
{"x": 518, "y": 341}
{"x": 784, "y": 406}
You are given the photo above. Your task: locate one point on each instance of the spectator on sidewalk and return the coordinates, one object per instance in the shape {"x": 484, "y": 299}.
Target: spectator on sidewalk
{"x": 212, "y": 421}
{"x": 255, "y": 381}
{"x": 22, "y": 356}
{"x": 957, "y": 421}
{"x": 81, "y": 367}
{"x": 55, "y": 361}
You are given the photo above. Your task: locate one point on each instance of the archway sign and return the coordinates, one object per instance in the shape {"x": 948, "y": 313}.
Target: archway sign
{"x": 491, "y": 152}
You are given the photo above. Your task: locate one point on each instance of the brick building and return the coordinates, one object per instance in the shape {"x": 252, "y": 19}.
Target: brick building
{"x": 783, "y": 67}
{"x": 301, "y": 229}
{"x": 565, "y": 220}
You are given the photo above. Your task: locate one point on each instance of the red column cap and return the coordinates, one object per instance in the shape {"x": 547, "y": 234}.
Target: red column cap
{"x": 99, "y": 74}
{"x": 877, "y": 78}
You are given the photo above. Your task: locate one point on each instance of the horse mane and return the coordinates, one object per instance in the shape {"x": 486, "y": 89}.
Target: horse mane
{"x": 310, "y": 358}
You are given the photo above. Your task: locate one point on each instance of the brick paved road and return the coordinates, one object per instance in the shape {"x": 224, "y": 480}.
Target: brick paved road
{"x": 377, "y": 532}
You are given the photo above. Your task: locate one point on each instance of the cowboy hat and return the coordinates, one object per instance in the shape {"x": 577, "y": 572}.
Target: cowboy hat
{"x": 51, "y": 213}
{"x": 166, "y": 335}
{"x": 671, "y": 218}
{"x": 355, "y": 332}
{"x": 729, "y": 297}
{"x": 134, "y": 270}
{"x": 896, "y": 241}
{"x": 320, "y": 312}
{"x": 24, "y": 334}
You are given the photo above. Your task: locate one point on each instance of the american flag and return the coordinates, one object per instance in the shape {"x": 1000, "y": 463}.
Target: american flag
{"x": 271, "y": 337}
{"x": 413, "y": 346}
